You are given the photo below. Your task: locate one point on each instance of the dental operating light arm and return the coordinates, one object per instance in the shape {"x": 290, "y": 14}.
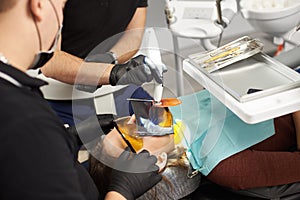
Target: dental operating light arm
{"x": 229, "y": 9}
{"x": 219, "y": 12}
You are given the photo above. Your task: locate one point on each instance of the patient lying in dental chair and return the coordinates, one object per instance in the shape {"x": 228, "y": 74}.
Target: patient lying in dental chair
{"x": 222, "y": 147}
{"x": 171, "y": 156}
{"x": 240, "y": 156}
{"x": 274, "y": 161}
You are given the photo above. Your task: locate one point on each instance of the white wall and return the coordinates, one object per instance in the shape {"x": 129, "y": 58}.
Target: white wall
{"x": 156, "y": 18}
{"x": 155, "y": 15}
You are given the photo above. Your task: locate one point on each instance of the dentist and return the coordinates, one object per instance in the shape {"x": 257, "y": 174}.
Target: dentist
{"x": 38, "y": 156}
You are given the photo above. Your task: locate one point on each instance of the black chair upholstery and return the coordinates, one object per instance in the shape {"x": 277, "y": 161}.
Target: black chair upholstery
{"x": 210, "y": 191}
{"x": 282, "y": 192}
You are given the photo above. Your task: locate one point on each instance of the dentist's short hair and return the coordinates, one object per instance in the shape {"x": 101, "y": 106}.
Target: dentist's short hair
{"x": 6, "y": 5}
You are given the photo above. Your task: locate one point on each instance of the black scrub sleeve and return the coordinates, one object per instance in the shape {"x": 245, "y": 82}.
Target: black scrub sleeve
{"x": 143, "y": 3}
{"x": 41, "y": 162}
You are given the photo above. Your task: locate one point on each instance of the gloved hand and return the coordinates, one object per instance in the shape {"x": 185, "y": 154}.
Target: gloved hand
{"x": 106, "y": 122}
{"x": 134, "y": 174}
{"x": 88, "y": 130}
{"x": 137, "y": 71}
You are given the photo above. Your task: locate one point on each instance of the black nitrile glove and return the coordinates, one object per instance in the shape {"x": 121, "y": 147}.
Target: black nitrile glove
{"x": 136, "y": 71}
{"x": 88, "y": 130}
{"x": 134, "y": 174}
{"x": 106, "y": 122}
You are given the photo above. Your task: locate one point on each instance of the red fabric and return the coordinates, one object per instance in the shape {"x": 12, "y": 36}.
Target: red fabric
{"x": 267, "y": 163}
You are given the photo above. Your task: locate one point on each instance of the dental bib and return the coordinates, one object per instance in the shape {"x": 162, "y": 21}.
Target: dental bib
{"x": 213, "y": 133}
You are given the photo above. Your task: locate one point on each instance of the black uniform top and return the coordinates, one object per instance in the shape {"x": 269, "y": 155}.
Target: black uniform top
{"x": 88, "y": 24}
{"x": 38, "y": 157}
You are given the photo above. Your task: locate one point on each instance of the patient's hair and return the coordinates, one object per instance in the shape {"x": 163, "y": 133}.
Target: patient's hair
{"x": 6, "y": 5}
{"x": 101, "y": 173}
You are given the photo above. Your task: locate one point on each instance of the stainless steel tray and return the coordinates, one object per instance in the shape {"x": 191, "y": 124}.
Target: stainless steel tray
{"x": 227, "y": 54}
{"x": 260, "y": 73}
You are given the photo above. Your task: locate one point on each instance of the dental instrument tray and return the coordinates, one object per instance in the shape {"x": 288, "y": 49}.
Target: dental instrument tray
{"x": 256, "y": 88}
{"x": 232, "y": 52}
{"x": 249, "y": 78}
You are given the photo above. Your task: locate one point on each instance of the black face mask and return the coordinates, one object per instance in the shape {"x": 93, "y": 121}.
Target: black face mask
{"x": 43, "y": 57}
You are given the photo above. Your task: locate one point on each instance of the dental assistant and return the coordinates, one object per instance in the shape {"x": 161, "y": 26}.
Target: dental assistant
{"x": 99, "y": 25}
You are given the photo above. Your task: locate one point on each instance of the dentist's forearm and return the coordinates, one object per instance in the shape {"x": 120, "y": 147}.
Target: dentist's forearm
{"x": 129, "y": 44}
{"x": 69, "y": 69}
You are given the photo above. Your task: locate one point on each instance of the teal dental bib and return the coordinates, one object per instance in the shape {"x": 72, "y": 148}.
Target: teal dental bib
{"x": 214, "y": 133}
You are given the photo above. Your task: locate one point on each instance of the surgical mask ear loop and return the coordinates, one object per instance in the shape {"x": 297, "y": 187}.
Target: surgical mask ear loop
{"x": 43, "y": 57}
{"x": 53, "y": 46}
{"x": 38, "y": 31}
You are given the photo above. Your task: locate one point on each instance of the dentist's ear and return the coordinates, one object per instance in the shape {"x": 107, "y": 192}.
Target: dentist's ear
{"x": 36, "y": 7}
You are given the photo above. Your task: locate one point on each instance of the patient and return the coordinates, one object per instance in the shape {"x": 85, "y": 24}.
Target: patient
{"x": 243, "y": 156}
{"x": 272, "y": 162}
{"x": 171, "y": 159}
